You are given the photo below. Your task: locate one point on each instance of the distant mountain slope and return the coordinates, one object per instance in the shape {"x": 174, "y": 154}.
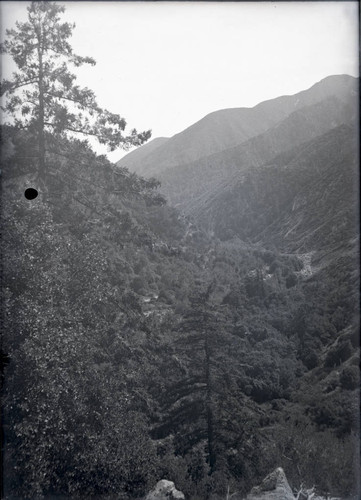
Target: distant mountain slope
{"x": 139, "y": 154}
{"x": 302, "y": 200}
{"x": 227, "y": 128}
{"x": 193, "y": 185}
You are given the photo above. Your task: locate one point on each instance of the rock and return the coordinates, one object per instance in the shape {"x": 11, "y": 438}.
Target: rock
{"x": 165, "y": 490}
{"x": 274, "y": 487}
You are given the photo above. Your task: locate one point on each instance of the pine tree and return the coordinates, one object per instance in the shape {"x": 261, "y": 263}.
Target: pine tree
{"x": 189, "y": 404}
{"x": 42, "y": 95}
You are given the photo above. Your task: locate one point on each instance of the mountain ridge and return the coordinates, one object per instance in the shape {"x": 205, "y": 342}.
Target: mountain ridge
{"x": 139, "y": 153}
{"x": 225, "y": 128}
{"x": 295, "y": 174}
{"x": 185, "y": 184}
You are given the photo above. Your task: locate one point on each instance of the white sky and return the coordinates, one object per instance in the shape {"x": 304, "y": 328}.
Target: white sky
{"x": 165, "y": 65}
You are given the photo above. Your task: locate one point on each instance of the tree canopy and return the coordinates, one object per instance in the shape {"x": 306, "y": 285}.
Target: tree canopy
{"x": 42, "y": 95}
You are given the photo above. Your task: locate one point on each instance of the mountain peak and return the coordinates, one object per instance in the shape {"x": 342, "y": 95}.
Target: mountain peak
{"x": 227, "y": 128}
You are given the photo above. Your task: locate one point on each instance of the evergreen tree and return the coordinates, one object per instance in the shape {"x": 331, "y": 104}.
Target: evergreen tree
{"x": 192, "y": 399}
{"x": 42, "y": 95}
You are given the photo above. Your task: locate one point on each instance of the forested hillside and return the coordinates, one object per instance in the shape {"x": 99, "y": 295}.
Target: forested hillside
{"x": 301, "y": 200}
{"x": 140, "y": 348}
{"x": 206, "y": 343}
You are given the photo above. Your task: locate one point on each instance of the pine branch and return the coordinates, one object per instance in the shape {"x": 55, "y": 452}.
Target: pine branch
{"x": 8, "y": 86}
{"x": 66, "y": 98}
{"x": 78, "y": 131}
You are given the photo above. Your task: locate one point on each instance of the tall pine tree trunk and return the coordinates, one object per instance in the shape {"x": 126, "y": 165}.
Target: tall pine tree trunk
{"x": 41, "y": 135}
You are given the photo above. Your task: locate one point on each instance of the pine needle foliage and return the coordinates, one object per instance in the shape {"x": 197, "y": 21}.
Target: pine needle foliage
{"x": 43, "y": 96}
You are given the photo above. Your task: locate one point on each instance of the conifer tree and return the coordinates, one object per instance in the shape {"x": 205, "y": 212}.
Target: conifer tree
{"x": 192, "y": 399}
{"x": 43, "y": 96}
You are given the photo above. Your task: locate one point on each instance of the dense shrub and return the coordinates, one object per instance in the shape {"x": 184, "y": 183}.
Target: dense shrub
{"x": 310, "y": 359}
{"x": 339, "y": 353}
{"x": 350, "y": 377}
{"x": 291, "y": 280}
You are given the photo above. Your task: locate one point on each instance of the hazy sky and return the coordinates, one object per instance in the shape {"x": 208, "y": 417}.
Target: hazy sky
{"x": 165, "y": 65}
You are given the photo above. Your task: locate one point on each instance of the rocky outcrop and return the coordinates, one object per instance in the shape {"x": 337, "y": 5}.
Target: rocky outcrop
{"x": 165, "y": 490}
{"x": 274, "y": 487}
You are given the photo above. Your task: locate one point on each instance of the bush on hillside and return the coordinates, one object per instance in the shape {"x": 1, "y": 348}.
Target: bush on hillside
{"x": 338, "y": 354}
{"x": 350, "y": 377}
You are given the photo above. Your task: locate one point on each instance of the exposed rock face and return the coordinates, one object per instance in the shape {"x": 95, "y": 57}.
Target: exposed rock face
{"x": 274, "y": 487}
{"x": 165, "y": 490}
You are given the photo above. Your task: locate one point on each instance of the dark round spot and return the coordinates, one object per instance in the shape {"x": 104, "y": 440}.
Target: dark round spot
{"x": 30, "y": 193}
